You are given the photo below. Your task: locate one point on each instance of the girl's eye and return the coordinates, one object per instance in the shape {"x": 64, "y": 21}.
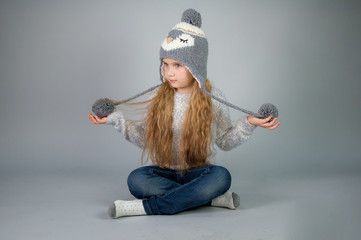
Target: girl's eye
{"x": 183, "y": 40}
{"x": 178, "y": 65}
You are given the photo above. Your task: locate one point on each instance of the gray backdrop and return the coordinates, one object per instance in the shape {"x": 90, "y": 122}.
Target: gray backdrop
{"x": 57, "y": 57}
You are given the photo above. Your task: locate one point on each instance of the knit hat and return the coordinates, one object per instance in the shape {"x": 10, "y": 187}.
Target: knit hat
{"x": 187, "y": 44}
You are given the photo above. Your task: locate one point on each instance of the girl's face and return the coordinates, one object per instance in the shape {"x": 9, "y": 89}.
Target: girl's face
{"x": 178, "y": 75}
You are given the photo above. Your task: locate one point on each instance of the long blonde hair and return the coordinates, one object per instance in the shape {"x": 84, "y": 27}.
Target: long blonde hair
{"x": 196, "y": 131}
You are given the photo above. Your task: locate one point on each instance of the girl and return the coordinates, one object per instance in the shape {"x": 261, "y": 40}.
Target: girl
{"x": 184, "y": 118}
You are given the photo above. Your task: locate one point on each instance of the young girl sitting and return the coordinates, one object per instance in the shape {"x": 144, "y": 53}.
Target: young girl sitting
{"x": 184, "y": 118}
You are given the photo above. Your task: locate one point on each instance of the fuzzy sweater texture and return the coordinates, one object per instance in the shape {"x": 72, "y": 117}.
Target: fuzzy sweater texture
{"x": 226, "y": 135}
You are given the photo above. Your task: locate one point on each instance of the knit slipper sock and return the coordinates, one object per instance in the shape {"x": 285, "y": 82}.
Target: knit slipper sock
{"x": 122, "y": 208}
{"x": 229, "y": 200}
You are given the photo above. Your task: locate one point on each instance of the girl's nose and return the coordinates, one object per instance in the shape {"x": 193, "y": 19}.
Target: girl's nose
{"x": 170, "y": 72}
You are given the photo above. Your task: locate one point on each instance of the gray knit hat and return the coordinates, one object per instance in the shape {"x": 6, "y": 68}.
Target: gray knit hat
{"x": 187, "y": 44}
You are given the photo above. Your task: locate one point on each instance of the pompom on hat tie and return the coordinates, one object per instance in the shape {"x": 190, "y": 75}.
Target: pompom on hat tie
{"x": 187, "y": 44}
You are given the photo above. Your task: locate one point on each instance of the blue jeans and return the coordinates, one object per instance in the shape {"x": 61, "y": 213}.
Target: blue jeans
{"x": 166, "y": 191}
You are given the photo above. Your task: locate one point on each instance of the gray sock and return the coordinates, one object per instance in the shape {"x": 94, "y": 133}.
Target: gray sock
{"x": 111, "y": 211}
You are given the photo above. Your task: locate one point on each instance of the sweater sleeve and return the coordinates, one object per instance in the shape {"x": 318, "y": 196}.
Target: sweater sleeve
{"x": 131, "y": 130}
{"x": 229, "y": 136}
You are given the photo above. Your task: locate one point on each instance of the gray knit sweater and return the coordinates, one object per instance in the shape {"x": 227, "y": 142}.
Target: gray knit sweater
{"x": 226, "y": 135}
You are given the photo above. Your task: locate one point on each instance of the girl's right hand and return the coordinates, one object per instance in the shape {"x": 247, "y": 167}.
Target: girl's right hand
{"x": 96, "y": 119}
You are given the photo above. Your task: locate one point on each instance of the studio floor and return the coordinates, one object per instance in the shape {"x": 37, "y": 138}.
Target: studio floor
{"x": 59, "y": 172}
{"x": 65, "y": 205}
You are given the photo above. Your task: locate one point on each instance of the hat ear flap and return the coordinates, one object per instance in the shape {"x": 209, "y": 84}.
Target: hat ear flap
{"x": 161, "y": 71}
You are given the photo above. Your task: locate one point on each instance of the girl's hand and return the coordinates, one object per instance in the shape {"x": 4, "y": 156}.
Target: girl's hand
{"x": 263, "y": 122}
{"x": 96, "y": 119}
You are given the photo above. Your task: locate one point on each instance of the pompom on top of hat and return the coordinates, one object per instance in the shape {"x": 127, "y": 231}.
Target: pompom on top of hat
{"x": 193, "y": 17}
{"x": 103, "y": 107}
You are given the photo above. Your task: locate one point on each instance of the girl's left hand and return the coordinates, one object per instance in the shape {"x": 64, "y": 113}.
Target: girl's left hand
{"x": 263, "y": 122}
